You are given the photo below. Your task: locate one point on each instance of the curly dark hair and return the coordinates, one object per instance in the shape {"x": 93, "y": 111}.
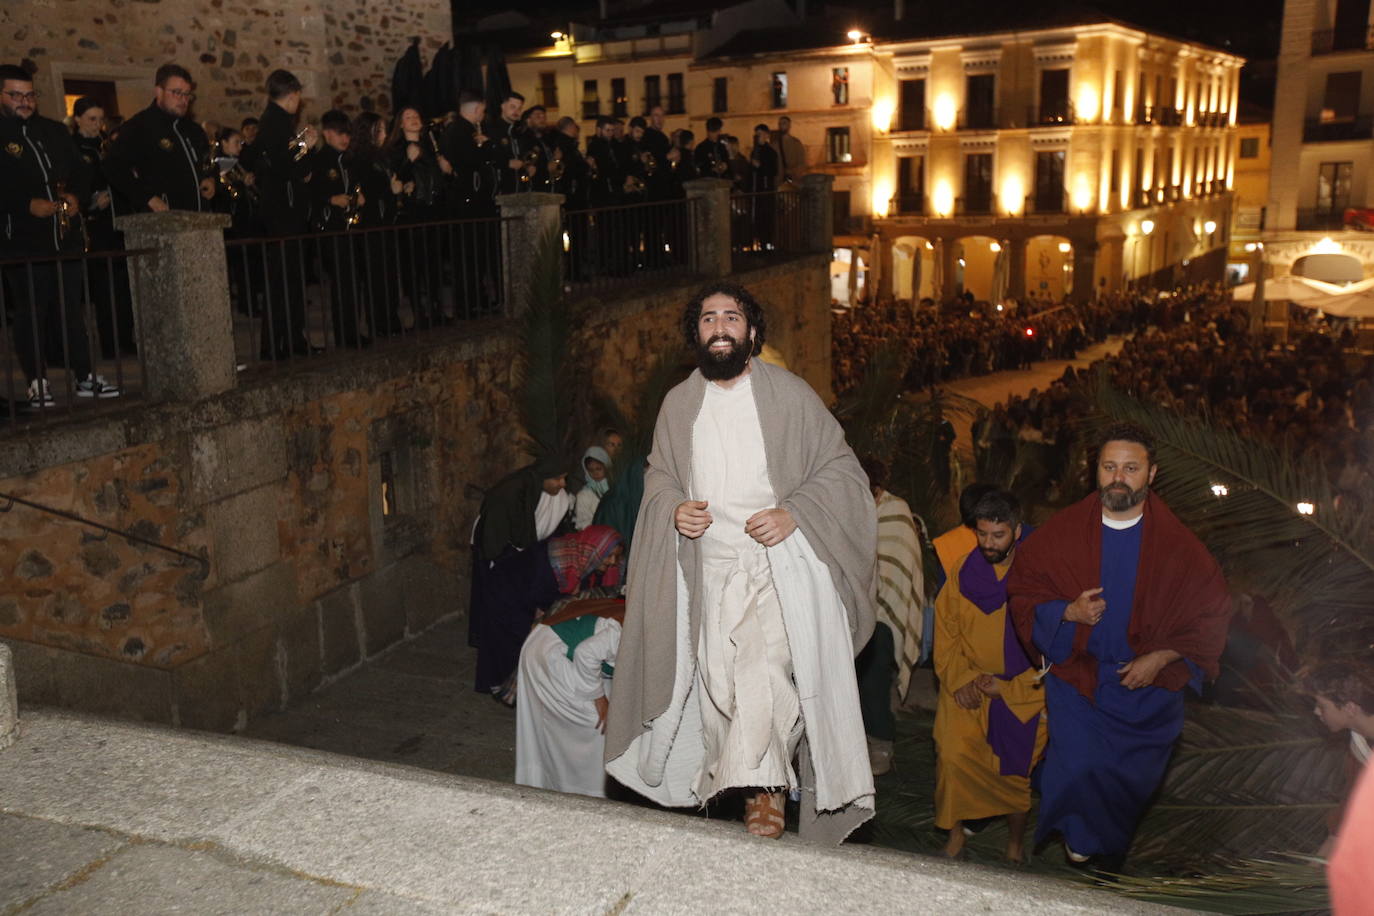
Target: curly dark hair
{"x": 753, "y": 312}
{"x": 1127, "y": 432}
{"x": 1342, "y": 682}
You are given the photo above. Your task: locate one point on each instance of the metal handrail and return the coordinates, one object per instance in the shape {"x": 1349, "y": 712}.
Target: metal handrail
{"x": 76, "y": 256}
{"x": 10, "y": 499}
{"x": 367, "y": 230}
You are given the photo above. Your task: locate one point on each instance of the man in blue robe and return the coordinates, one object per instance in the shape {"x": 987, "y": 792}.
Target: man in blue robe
{"x": 1127, "y": 608}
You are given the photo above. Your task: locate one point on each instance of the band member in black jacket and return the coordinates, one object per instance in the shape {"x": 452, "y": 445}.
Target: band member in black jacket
{"x": 336, "y": 204}
{"x": 510, "y": 145}
{"x": 712, "y": 155}
{"x": 44, "y": 183}
{"x": 108, "y": 278}
{"x": 281, "y": 169}
{"x": 161, "y": 159}
{"x": 469, "y": 151}
{"x": 378, "y": 211}
{"x": 608, "y": 163}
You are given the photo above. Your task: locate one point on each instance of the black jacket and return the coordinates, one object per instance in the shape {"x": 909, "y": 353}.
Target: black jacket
{"x": 157, "y": 155}
{"x": 473, "y": 179}
{"x": 280, "y": 177}
{"x": 332, "y": 172}
{"x": 36, "y": 155}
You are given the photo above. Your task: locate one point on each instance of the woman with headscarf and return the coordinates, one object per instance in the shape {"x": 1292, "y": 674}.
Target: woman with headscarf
{"x": 514, "y": 588}
{"x": 596, "y": 468}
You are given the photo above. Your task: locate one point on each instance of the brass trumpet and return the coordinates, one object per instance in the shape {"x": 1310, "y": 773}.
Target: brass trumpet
{"x": 531, "y": 160}
{"x": 634, "y": 184}
{"x": 650, "y": 162}
{"x": 556, "y": 166}
{"x": 352, "y": 213}
{"x": 64, "y": 209}
{"x": 720, "y": 167}
{"x": 300, "y": 144}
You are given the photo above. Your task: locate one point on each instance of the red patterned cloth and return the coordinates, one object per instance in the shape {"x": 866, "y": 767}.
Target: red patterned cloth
{"x": 575, "y": 556}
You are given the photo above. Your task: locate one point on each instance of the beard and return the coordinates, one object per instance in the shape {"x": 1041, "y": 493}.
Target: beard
{"x": 723, "y": 365}
{"x": 1117, "y": 497}
{"x": 995, "y": 556}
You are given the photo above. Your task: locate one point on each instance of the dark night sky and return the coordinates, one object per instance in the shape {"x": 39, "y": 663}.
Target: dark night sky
{"x": 1248, "y": 27}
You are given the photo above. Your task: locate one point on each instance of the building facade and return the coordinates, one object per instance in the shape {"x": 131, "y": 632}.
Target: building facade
{"x": 1043, "y": 163}
{"x": 1323, "y": 143}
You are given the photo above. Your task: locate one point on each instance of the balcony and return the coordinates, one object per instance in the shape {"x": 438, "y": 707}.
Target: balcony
{"x": 1212, "y": 119}
{"x": 977, "y": 205}
{"x": 1359, "y": 128}
{"x": 1047, "y": 202}
{"x": 979, "y": 118}
{"x": 1154, "y": 114}
{"x": 1050, "y": 114}
{"x": 909, "y": 120}
{"x": 907, "y": 204}
{"x": 1320, "y": 219}
{"x": 1332, "y": 41}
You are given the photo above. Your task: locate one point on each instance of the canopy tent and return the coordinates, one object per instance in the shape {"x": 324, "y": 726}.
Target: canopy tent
{"x": 1355, "y": 300}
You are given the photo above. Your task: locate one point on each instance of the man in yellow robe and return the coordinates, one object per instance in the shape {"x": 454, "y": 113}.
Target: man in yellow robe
{"x": 989, "y": 723}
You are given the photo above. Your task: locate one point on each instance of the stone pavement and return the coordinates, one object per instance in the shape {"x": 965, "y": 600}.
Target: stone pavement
{"x": 412, "y": 704}
{"x": 104, "y": 817}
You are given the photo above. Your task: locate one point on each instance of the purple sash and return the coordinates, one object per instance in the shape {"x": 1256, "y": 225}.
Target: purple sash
{"x": 1012, "y": 740}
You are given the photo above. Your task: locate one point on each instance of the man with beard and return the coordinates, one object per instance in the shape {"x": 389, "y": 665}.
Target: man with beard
{"x": 161, "y": 160}
{"x": 1128, "y": 608}
{"x": 751, "y": 586}
{"x": 989, "y": 722}
{"x": 510, "y": 144}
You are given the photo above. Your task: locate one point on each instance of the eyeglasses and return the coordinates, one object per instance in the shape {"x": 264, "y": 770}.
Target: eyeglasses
{"x": 182, "y": 94}
{"x": 20, "y": 96}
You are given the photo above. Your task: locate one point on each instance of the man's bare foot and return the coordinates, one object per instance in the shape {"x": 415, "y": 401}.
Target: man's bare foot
{"x": 957, "y": 838}
{"x": 763, "y": 815}
{"x": 1016, "y": 854}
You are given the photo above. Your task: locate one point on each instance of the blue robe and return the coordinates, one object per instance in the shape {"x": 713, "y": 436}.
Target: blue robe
{"x": 1106, "y": 758}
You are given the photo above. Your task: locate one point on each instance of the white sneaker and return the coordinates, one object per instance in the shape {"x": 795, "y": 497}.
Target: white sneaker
{"x": 1075, "y": 857}
{"x": 95, "y": 386}
{"x": 40, "y": 393}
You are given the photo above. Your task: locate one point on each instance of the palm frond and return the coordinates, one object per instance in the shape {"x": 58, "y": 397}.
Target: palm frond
{"x": 1277, "y": 884}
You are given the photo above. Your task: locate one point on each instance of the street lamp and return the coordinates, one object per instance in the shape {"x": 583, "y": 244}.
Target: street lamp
{"x": 1210, "y": 226}
{"x": 1147, "y": 226}
{"x": 855, "y": 36}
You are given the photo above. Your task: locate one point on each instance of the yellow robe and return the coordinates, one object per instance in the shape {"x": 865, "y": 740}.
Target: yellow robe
{"x": 968, "y": 784}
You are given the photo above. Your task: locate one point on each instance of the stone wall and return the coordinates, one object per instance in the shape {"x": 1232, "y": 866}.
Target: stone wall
{"x": 278, "y": 484}
{"x": 343, "y": 50}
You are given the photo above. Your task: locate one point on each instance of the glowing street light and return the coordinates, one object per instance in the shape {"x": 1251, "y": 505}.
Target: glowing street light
{"x": 1147, "y": 226}
{"x": 1065, "y": 248}
{"x": 556, "y": 36}
{"x": 1209, "y": 227}
{"x": 994, "y": 246}
{"x": 855, "y": 36}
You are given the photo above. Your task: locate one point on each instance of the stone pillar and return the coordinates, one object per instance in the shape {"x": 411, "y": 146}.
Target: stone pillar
{"x": 181, "y": 303}
{"x": 527, "y": 221}
{"x": 1084, "y": 270}
{"x": 711, "y": 227}
{"x": 9, "y": 699}
{"x": 949, "y": 286}
{"x": 1016, "y": 268}
{"x": 818, "y": 201}
{"x": 1257, "y": 300}
{"x": 880, "y": 247}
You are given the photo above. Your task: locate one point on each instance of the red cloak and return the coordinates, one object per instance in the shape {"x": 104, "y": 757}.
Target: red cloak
{"x": 1180, "y": 600}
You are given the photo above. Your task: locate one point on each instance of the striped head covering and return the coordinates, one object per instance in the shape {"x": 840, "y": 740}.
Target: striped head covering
{"x": 577, "y": 555}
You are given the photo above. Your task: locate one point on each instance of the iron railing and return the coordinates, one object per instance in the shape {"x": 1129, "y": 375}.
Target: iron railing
{"x": 1051, "y": 113}
{"x": 1330, "y": 41}
{"x": 1313, "y": 219}
{"x": 301, "y": 296}
{"x": 765, "y": 226}
{"x": 907, "y": 204}
{"x": 68, "y": 337}
{"x": 1358, "y": 128}
{"x": 611, "y": 247}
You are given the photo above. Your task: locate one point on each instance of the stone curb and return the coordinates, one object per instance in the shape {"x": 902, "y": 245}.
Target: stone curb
{"x": 9, "y": 699}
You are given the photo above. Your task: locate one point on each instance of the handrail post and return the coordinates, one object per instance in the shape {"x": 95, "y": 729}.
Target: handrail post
{"x": 526, "y": 219}
{"x": 181, "y": 303}
{"x": 711, "y": 224}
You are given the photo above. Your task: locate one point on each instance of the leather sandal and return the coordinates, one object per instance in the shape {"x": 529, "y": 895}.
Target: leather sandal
{"x": 763, "y": 815}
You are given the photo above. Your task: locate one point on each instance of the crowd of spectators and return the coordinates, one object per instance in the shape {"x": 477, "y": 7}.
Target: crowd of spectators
{"x": 1312, "y": 394}
{"x": 947, "y": 343}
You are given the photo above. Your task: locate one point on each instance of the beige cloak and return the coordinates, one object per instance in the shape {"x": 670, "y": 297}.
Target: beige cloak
{"x": 824, "y": 574}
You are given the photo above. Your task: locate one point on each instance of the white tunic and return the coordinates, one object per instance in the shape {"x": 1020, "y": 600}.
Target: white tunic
{"x": 750, "y": 712}
{"x": 557, "y": 743}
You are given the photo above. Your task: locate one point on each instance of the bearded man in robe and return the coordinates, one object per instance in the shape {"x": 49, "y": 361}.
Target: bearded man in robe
{"x": 989, "y": 721}
{"x": 1128, "y": 608}
{"x": 751, "y": 585}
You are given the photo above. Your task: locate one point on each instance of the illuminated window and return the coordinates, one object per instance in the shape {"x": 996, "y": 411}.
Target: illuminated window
{"x": 837, "y": 147}
{"x": 778, "y": 90}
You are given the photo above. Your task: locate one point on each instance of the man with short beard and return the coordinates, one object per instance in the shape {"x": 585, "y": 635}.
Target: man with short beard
{"x": 751, "y": 585}
{"x": 989, "y": 722}
{"x": 1128, "y": 608}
